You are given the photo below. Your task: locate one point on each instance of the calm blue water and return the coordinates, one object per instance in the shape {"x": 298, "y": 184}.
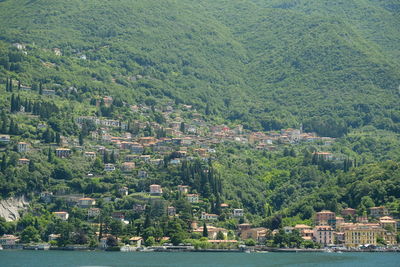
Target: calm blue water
{"x": 183, "y": 259}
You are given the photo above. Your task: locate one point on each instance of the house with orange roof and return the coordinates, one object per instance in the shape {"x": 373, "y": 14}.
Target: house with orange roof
{"x": 62, "y": 215}
{"x": 258, "y": 234}
{"x": 388, "y": 222}
{"x": 23, "y": 161}
{"x": 86, "y": 202}
{"x": 212, "y": 231}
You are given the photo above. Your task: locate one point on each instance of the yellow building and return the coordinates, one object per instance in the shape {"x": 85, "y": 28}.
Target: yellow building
{"x": 390, "y": 238}
{"x": 363, "y": 234}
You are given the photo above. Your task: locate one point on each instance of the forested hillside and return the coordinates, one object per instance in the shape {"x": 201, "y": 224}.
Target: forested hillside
{"x": 267, "y": 64}
{"x": 277, "y": 109}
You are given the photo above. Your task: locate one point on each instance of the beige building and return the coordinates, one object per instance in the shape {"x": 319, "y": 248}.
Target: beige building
{"x": 349, "y": 212}
{"x": 155, "y": 189}
{"x": 378, "y": 211}
{"x": 258, "y": 234}
{"x": 323, "y": 234}
{"x": 212, "y": 231}
{"x": 388, "y": 223}
{"x": 325, "y": 217}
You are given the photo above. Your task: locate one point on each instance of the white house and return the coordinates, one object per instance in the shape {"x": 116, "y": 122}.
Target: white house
{"x": 155, "y": 189}
{"x": 192, "y": 198}
{"x": 63, "y": 215}
{"x": 238, "y": 213}
{"x": 109, "y": 167}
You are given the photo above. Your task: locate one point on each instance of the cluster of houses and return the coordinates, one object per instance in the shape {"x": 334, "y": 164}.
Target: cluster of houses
{"x": 349, "y": 229}
{"x": 184, "y": 139}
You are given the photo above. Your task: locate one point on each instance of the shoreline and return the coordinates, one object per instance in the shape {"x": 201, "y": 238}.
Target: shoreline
{"x": 177, "y": 249}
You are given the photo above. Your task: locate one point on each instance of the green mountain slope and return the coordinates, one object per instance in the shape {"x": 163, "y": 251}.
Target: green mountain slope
{"x": 267, "y": 64}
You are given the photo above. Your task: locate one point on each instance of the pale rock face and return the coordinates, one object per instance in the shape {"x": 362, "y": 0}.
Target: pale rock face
{"x": 10, "y": 207}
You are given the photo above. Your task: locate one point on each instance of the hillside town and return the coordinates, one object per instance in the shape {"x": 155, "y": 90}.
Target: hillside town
{"x": 140, "y": 149}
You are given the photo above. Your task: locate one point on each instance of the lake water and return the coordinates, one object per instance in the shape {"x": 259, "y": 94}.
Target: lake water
{"x": 183, "y": 259}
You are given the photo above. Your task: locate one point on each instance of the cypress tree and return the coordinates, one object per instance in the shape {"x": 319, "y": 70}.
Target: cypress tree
{"x": 11, "y": 129}
{"x": 112, "y": 159}
{"x": 3, "y": 165}
{"x": 31, "y": 166}
{"x": 147, "y": 221}
{"x": 105, "y": 157}
{"x": 50, "y": 155}
{"x": 81, "y": 139}
{"x": 4, "y": 123}
{"x": 40, "y": 88}
{"x": 10, "y": 86}
{"x": 19, "y": 85}
{"x": 7, "y": 85}
{"x": 17, "y": 103}
{"x": 205, "y": 230}
{"x": 12, "y": 109}
{"x": 58, "y": 139}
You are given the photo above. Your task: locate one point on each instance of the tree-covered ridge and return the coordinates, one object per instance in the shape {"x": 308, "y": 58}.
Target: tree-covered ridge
{"x": 306, "y": 57}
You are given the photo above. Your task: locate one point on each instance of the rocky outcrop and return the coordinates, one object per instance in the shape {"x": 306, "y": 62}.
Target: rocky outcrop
{"x": 10, "y": 207}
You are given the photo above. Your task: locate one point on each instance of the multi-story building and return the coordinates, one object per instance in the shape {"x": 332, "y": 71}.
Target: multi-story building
{"x": 93, "y": 212}
{"x": 348, "y": 212}
{"x": 90, "y": 154}
{"x": 209, "y": 216}
{"x": 4, "y": 138}
{"x": 238, "y": 213}
{"x": 22, "y": 147}
{"x": 155, "y": 189}
{"x": 378, "y": 211}
{"x": 323, "y": 234}
{"x": 109, "y": 167}
{"x": 363, "y": 234}
{"x": 86, "y": 202}
{"x": 388, "y": 223}
{"x": 339, "y": 221}
{"x": 23, "y": 161}
{"x": 259, "y": 234}
{"x": 8, "y": 240}
{"x": 136, "y": 148}
{"x": 63, "y": 152}
{"x": 192, "y": 198}
{"x": 128, "y": 166}
{"x": 325, "y": 217}
{"x": 304, "y": 230}
{"x": 212, "y": 231}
